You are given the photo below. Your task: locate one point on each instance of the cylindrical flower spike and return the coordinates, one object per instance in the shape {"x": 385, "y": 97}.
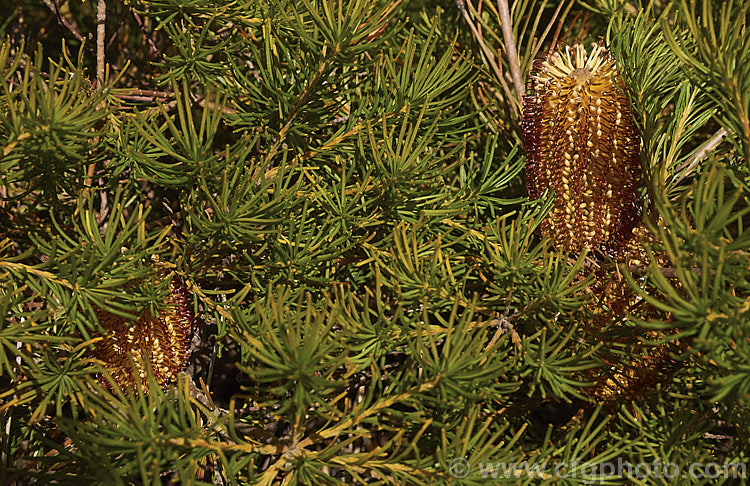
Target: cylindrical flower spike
{"x": 162, "y": 341}
{"x": 581, "y": 142}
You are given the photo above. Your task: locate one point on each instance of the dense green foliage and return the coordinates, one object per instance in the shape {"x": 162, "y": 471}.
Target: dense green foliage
{"x": 340, "y": 186}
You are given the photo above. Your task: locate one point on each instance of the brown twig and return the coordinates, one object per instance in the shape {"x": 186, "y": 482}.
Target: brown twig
{"x": 549, "y": 27}
{"x": 556, "y": 37}
{"x": 687, "y": 168}
{"x": 143, "y": 95}
{"x": 138, "y": 98}
{"x": 669, "y": 272}
{"x": 101, "y": 18}
{"x": 151, "y": 43}
{"x": 641, "y": 270}
{"x": 511, "y": 49}
{"x": 494, "y": 63}
{"x": 68, "y": 25}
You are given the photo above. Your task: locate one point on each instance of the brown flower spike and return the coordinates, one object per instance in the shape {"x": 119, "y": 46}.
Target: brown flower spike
{"x": 581, "y": 142}
{"x": 161, "y": 341}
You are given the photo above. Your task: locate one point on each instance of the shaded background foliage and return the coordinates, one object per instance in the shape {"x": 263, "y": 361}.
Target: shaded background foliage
{"x": 340, "y": 187}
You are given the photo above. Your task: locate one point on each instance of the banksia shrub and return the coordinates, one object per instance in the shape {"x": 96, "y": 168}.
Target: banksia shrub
{"x": 387, "y": 281}
{"x": 581, "y": 143}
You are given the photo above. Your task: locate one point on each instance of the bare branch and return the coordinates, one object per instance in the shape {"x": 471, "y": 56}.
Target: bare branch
{"x": 68, "y": 25}
{"x": 146, "y": 34}
{"x": 669, "y": 272}
{"x": 549, "y": 27}
{"x": 494, "y": 63}
{"x": 101, "y": 18}
{"x": 511, "y": 49}
{"x": 689, "y": 166}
